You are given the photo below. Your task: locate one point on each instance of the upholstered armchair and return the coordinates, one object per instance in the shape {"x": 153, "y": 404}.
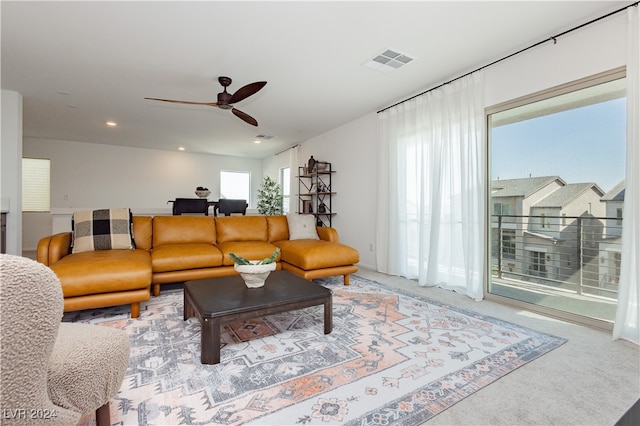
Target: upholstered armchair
{"x": 52, "y": 372}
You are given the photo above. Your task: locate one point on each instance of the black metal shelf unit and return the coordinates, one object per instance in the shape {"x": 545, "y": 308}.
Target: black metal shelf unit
{"x": 315, "y": 192}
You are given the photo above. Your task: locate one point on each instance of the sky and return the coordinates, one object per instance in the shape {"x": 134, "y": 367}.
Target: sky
{"x": 586, "y": 144}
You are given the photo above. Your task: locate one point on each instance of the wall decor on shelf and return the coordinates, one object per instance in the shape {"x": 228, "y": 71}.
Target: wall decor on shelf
{"x": 307, "y": 207}
{"x": 315, "y": 191}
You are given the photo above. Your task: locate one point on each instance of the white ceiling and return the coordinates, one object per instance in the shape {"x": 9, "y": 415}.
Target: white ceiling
{"x": 81, "y": 63}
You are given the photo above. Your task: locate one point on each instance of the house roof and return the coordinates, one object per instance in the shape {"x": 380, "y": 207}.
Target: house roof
{"x": 543, "y": 236}
{"x": 522, "y": 187}
{"x": 565, "y": 194}
{"x": 615, "y": 194}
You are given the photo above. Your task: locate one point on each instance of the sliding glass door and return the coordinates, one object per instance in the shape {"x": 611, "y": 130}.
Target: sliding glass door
{"x": 556, "y": 164}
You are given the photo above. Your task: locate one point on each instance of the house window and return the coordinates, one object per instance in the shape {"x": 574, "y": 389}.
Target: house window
{"x": 501, "y": 209}
{"x": 36, "y": 185}
{"x": 285, "y": 187}
{"x": 542, "y": 220}
{"x": 537, "y": 264}
{"x": 509, "y": 243}
{"x": 235, "y": 185}
{"x": 619, "y": 216}
{"x": 564, "y": 219}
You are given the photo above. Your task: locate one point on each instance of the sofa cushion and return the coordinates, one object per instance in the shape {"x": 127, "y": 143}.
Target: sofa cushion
{"x": 183, "y": 229}
{"x": 143, "y": 231}
{"x": 103, "y": 229}
{"x": 241, "y": 228}
{"x": 278, "y": 229}
{"x": 250, "y": 250}
{"x": 103, "y": 271}
{"x": 317, "y": 254}
{"x": 302, "y": 227}
{"x": 178, "y": 257}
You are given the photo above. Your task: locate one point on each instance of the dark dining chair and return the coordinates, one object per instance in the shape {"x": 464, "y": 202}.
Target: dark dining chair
{"x": 190, "y": 205}
{"x": 227, "y": 207}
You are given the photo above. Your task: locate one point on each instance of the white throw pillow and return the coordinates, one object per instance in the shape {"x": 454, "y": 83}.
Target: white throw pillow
{"x": 302, "y": 227}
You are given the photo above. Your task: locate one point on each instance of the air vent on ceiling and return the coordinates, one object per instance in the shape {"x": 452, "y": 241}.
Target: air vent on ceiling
{"x": 389, "y": 60}
{"x": 263, "y": 137}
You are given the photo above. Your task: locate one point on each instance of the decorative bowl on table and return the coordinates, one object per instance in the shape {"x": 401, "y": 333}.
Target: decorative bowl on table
{"x": 203, "y": 193}
{"x": 255, "y": 274}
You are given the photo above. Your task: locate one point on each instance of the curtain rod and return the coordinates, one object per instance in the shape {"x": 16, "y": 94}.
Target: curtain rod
{"x": 284, "y": 150}
{"x": 553, "y": 38}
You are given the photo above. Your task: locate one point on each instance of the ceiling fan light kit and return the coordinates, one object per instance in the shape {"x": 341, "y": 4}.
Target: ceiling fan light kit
{"x": 226, "y": 100}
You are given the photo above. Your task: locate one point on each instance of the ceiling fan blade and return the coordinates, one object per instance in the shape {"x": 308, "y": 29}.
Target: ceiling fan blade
{"x": 245, "y": 117}
{"x": 184, "y": 102}
{"x": 246, "y": 91}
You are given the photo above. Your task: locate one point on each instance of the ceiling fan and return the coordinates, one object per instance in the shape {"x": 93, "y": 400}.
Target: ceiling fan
{"x": 226, "y": 100}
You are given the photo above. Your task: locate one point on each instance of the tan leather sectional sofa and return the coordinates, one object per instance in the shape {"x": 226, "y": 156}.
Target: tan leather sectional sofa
{"x": 173, "y": 249}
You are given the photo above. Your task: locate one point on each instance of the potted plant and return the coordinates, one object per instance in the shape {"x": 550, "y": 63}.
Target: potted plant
{"x": 254, "y": 272}
{"x": 269, "y": 197}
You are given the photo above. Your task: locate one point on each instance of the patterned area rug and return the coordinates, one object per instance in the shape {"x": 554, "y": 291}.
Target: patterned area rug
{"x": 392, "y": 358}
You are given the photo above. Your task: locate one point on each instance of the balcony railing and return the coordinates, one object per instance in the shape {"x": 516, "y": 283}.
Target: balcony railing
{"x": 579, "y": 254}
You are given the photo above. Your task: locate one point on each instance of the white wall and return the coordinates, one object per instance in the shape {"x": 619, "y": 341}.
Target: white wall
{"x": 88, "y": 176}
{"x": 590, "y": 50}
{"x": 11, "y": 168}
{"x": 351, "y": 150}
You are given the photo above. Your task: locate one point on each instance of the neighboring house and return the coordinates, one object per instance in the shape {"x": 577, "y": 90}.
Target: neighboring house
{"x": 569, "y": 219}
{"x": 614, "y": 201}
{"x": 512, "y": 200}
{"x": 609, "y": 250}
{"x": 553, "y": 225}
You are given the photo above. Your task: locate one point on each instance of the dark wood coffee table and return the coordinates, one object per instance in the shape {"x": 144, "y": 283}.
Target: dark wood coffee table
{"x": 219, "y": 301}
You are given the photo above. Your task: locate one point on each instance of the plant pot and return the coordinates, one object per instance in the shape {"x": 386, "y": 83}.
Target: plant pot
{"x": 254, "y": 275}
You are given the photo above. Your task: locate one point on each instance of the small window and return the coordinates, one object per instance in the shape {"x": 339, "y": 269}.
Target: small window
{"x": 509, "y": 243}
{"x": 235, "y": 185}
{"x": 501, "y": 209}
{"x": 619, "y": 216}
{"x": 36, "y": 185}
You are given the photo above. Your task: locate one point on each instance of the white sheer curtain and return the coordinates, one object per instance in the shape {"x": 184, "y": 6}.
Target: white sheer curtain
{"x": 430, "y": 223}
{"x": 294, "y": 154}
{"x": 627, "y": 325}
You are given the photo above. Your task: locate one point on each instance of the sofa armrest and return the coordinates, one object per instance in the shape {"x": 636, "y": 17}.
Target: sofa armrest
{"x": 327, "y": 234}
{"x": 53, "y": 248}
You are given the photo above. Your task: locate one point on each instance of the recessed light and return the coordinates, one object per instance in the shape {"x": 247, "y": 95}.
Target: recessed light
{"x": 111, "y": 123}
{"x": 257, "y": 141}
{"x": 181, "y": 148}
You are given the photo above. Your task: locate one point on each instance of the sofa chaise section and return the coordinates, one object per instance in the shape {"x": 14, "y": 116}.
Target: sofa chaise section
{"x": 311, "y": 258}
{"x": 104, "y": 277}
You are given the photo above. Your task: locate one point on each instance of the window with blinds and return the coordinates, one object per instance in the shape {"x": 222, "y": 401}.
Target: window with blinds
{"x": 35, "y": 185}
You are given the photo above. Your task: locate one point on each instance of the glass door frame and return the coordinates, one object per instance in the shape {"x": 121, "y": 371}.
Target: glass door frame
{"x": 593, "y": 80}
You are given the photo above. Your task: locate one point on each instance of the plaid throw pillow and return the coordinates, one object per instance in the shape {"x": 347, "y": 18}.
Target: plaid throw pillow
{"x": 105, "y": 229}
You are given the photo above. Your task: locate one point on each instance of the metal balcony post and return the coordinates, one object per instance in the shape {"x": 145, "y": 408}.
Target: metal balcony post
{"x": 499, "y": 246}
{"x": 579, "y": 250}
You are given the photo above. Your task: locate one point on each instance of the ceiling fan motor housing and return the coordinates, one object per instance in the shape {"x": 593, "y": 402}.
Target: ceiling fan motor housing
{"x": 223, "y": 99}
